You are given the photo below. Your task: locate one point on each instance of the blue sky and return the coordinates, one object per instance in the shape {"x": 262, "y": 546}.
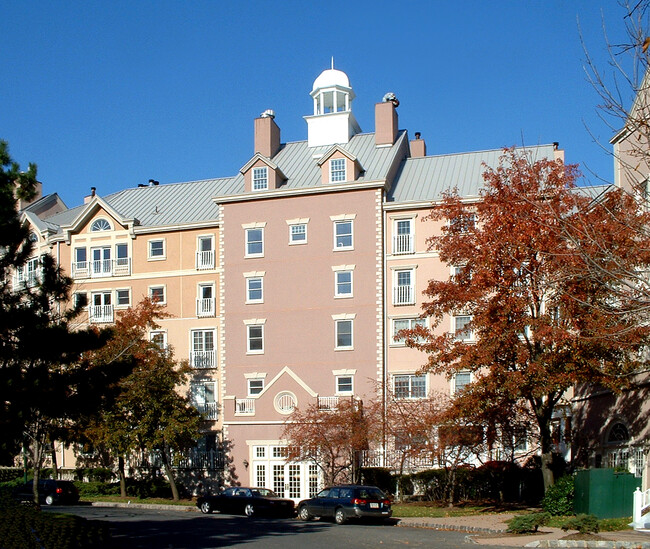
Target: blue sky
{"x": 111, "y": 94}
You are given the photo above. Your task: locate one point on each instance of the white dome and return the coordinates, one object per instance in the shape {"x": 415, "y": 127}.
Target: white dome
{"x": 331, "y": 77}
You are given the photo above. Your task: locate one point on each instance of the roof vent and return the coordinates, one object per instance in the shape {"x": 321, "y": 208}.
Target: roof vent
{"x": 390, "y": 96}
{"x": 268, "y": 113}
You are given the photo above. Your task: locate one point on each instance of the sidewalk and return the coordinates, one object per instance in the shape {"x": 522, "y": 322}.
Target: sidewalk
{"x": 490, "y": 529}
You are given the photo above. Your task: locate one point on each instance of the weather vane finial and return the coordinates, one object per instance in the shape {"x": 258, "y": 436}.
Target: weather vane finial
{"x": 332, "y": 62}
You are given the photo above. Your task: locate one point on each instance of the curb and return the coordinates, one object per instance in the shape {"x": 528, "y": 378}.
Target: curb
{"x": 154, "y": 506}
{"x": 448, "y": 527}
{"x": 566, "y": 543}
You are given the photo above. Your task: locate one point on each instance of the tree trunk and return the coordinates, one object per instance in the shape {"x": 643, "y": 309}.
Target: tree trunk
{"x": 55, "y": 468}
{"x": 170, "y": 474}
{"x": 37, "y": 468}
{"x": 452, "y": 486}
{"x": 546, "y": 450}
{"x": 120, "y": 470}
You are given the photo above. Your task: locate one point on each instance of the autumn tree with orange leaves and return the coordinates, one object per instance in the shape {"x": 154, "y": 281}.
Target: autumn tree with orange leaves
{"x": 334, "y": 438}
{"x": 538, "y": 325}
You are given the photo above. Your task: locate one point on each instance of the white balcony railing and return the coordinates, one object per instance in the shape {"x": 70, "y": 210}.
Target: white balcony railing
{"x": 403, "y": 295}
{"x": 102, "y": 268}
{"x": 203, "y": 359}
{"x": 245, "y": 406}
{"x": 205, "y": 307}
{"x": 100, "y": 314}
{"x": 210, "y": 410}
{"x": 403, "y": 244}
{"x": 205, "y": 260}
{"x": 328, "y": 403}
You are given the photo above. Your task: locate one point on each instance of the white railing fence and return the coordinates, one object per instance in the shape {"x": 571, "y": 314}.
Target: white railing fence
{"x": 641, "y": 509}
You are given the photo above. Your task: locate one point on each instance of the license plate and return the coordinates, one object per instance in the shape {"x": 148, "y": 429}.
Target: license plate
{"x": 374, "y": 505}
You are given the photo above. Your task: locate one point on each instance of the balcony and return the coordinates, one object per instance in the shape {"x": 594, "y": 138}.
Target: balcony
{"x": 102, "y": 268}
{"x": 100, "y": 314}
{"x": 205, "y": 307}
{"x": 203, "y": 359}
{"x": 403, "y": 295}
{"x": 205, "y": 260}
{"x": 403, "y": 244}
{"x": 210, "y": 410}
{"x": 328, "y": 403}
{"x": 244, "y": 406}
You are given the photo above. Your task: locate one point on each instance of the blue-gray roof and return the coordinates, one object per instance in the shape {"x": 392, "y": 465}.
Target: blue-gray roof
{"x": 426, "y": 178}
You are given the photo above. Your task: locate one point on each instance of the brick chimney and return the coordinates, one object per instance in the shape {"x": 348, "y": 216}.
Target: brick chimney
{"x": 385, "y": 123}
{"x": 418, "y": 146}
{"x": 267, "y": 134}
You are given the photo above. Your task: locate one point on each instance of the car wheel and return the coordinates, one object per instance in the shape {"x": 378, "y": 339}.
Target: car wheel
{"x": 206, "y": 508}
{"x": 339, "y": 516}
{"x": 249, "y": 510}
{"x": 303, "y": 513}
{"x": 49, "y": 499}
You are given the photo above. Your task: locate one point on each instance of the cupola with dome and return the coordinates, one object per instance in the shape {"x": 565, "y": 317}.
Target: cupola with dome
{"x": 332, "y": 121}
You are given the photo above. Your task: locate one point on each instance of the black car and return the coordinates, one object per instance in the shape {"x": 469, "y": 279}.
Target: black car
{"x": 248, "y": 501}
{"x": 346, "y": 502}
{"x": 50, "y": 492}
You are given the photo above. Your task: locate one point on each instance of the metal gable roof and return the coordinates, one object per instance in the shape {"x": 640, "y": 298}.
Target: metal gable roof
{"x": 424, "y": 179}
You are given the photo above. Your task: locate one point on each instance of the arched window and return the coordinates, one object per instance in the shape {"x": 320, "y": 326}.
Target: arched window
{"x": 618, "y": 434}
{"x": 100, "y": 225}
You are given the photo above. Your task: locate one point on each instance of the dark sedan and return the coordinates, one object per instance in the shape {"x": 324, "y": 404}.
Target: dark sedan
{"x": 247, "y": 501}
{"x": 346, "y": 502}
{"x": 50, "y": 492}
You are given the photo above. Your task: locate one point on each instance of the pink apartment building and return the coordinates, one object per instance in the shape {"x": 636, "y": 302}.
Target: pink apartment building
{"x": 286, "y": 282}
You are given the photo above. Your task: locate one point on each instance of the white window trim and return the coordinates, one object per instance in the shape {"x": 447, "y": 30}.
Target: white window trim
{"x": 117, "y": 304}
{"x": 246, "y": 241}
{"x": 393, "y": 319}
{"x": 471, "y": 336}
{"x": 453, "y": 384}
{"x": 412, "y": 375}
{"x": 156, "y": 257}
{"x": 294, "y": 223}
{"x": 339, "y": 318}
{"x": 344, "y": 170}
{"x": 338, "y": 295}
{"x": 346, "y": 218}
{"x": 164, "y": 287}
{"x": 254, "y": 322}
{"x": 159, "y": 332}
{"x": 248, "y": 299}
{"x": 336, "y": 385}
{"x": 110, "y": 225}
{"x": 248, "y": 387}
{"x": 265, "y": 169}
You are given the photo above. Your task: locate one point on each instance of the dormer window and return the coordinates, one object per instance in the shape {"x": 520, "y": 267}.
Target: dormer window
{"x": 100, "y": 225}
{"x": 260, "y": 178}
{"x": 337, "y": 170}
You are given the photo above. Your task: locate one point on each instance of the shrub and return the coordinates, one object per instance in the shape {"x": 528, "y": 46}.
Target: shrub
{"x": 558, "y": 500}
{"x": 526, "y": 524}
{"x": 379, "y": 477}
{"x": 585, "y": 524}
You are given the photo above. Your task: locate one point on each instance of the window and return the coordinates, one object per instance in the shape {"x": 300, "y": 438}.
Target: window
{"x": 344, "y": 334}
{"x": 80, "y": 259}
{"x": 403, "y": 287}
{"x": 122, "y": 262}
{"x": 461, "y": 380}
{"x": 159, "y": 338}
{"x": 202, "y": 354}
{"x": 205, "y": 302}
{"x": 101, "y": 308}
{"x": 343, "y": 235}
{"x": 463, "y": 223}
{"x": 410, "y": 386}
{"x": 284, "y": 402}
{"x": 254, "y": 242}
{"x": 255, "y": 338}
{"x": 260, "y": 178}
{"x": 123, "y": 297}
{"x": 156, "y": 249}
{"x": 205, "y": 253}
{"x": 400, "y": 324}
{"x": 255, "y": 386}
{"x": 80, "y": 299}
{"x": 260, "y": 452}
{"x": 343, "y": 385}
{"x": 462, "y": 332}
{"x": 254, "y": 290}
{"x": 101, "y": 264}
{"x": 343, "y": 284}
{"x": 100, "y": 225}
{"x": 157, "y": 294}
{"x": 403, "y": 236}
{"x": 337, "y": 170}
{"x": 298, "y": 233}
